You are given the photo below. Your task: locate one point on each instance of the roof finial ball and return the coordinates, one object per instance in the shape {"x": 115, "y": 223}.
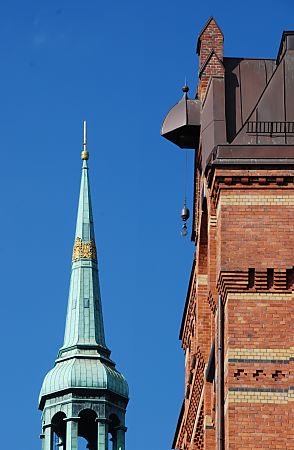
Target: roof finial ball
{"x": 85, "y": 153}
{"x": 185, "y": 88}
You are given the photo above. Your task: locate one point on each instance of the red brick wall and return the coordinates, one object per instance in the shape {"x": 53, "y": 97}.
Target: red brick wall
{"x": 256, "y": 225}
{"x": 245, "y": 254}
{"x": 255, "y": 259}
{"x": 256, "y": 426}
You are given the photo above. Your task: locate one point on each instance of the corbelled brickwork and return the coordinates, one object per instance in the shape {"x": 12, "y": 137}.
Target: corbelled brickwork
{"x": 237, "y": 329}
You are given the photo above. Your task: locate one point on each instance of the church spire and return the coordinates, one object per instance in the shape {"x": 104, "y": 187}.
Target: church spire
{"x": 84, "y": 322}
{"x": 84, "y": 394}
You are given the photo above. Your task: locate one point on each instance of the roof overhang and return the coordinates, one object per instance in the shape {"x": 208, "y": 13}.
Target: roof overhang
{"x": 259, "y": 156}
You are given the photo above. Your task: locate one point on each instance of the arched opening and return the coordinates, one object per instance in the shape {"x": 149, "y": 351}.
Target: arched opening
{"x": 59, "y": 431}
{"x": 87, "y": 430}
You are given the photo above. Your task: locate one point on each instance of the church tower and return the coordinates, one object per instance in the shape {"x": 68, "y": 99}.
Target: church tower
{"x": 84, "y": 395}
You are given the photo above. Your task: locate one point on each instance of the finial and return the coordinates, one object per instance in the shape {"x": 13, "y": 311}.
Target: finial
{"x": 85, "y": 153}
{"x": 85, "y": 132}
{"x": 185, "y": 88}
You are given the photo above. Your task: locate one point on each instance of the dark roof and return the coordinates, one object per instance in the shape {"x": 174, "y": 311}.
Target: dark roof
{"x": 282, "y": 47}
{"x": 271, "y": 104}
{"x": 245, "y": 81}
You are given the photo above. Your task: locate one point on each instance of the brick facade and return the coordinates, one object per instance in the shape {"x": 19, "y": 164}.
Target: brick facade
{"x": 240, "y": 376}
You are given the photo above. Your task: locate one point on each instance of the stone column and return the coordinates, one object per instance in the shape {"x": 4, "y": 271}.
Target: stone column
{"x": 47, "y": 437}
{"x": 42, "y": 437}
{"x": 72, "y": 433}
{"x": 120, "y": 438}
{"x": 102, "y": 434}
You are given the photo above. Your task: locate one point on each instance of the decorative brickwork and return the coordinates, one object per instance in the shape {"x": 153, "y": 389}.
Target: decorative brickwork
{"x": 199, "y": 434}
{"x": 239, "y": 311}
{"x": 190, "y": 316}
{"x": 211, "y": 303}
{"x": 270, "y": 280}
{"x": 194, "y": 399}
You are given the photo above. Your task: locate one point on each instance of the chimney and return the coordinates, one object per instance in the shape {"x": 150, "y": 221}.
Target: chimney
{"x": 210, "y": 49}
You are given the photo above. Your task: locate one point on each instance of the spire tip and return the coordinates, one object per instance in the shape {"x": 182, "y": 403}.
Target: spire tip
{"x": 85, "y": 153}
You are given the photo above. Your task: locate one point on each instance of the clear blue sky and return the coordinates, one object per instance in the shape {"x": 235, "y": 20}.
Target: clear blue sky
{"x": 121, "y": 65}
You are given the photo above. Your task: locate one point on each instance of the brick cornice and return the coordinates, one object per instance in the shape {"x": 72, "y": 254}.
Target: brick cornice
{"x": 225, "y": 180}
{"x": 252, "y": 281}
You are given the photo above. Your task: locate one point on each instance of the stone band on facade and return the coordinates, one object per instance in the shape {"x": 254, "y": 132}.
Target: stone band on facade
{"x": 259, "y": 395}
{"x": 263, "y": 199}
{"x": 260, "y": 354}
{"x": 84, "y": 250}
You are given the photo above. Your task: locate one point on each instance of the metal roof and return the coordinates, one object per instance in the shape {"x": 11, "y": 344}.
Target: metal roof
{"x": 182, "y": 123}
{"x": 83, "y": 373}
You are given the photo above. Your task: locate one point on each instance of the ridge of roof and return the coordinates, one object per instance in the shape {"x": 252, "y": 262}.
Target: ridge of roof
{"x": 249, "y": 59}
{"x": 284, "y": 34}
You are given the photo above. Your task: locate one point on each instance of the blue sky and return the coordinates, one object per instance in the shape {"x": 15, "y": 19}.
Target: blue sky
{"x": 121, "y": 66}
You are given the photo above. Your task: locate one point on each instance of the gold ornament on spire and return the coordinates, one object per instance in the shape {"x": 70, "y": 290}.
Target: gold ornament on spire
{"x": 84, "y": 250}
{"x": 85, "y": 153}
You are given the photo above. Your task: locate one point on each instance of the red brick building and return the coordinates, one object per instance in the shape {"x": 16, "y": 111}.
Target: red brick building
{"x": 237, "y": 329}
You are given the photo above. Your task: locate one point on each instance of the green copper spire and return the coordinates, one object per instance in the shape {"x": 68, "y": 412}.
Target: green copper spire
{"x": 84, "y": 394}
{"x": 85, "y": 226}
{"x": 84, "y": 321}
